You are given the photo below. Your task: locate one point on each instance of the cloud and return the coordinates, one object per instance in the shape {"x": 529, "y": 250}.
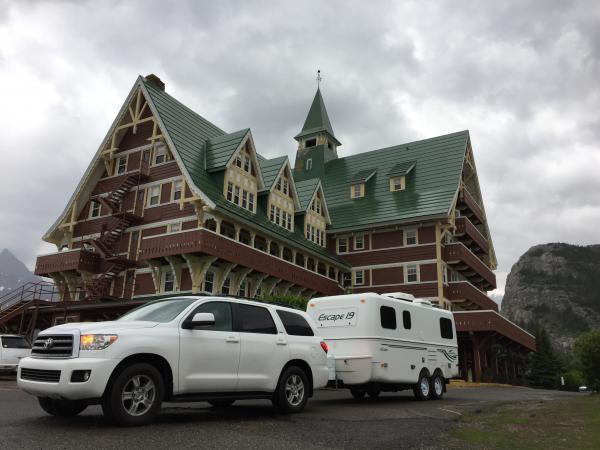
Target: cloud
{"x": 520, "y": 75}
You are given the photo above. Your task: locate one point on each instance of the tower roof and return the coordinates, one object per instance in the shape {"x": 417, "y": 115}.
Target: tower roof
{"x": 317, "y": 119}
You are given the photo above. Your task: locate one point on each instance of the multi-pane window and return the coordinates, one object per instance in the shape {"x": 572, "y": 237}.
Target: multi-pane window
{"x": 410, "y": 237}
{"x": 412, "y": 274}
{"x": 245, "y": 199}
{"x": 347, "y": 279}
{"x": 121, "y": 165}
{"x": 94, "y": 209}
{"x": 230, "y": 191}
{"x": 226, "y": 286}
{"x": 251, "y": 201}
{"x": 342, "y": 245}
{"x": 247, "y": 163}
{"x": 242, "y": 160}
{"x": 177, "y": 189}
{"x": 153, "y": 195}
{"x": 243, "y": 290}
{"x": 160, "y": 155}
{"x": 359, "y": 277}
{"x": 357, "y": 190}
{"x": 168, "y": 281}
{"x": 277, "y": 215}
{"x": 209, "y": 280}
{"x": 396, "y": 184}
{"x": 236, "y": 195}
{"x": 289, "y": 222}
{"x": 272, "y": 213}
{"x": 174, "y": 227}
{"x": 359, "y": 242}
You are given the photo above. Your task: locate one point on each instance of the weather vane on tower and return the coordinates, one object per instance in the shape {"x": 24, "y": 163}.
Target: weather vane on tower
{"x": 319, "y": 78}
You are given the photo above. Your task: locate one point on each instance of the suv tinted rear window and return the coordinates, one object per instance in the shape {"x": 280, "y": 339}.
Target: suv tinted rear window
{"x": 295, "y": 324}
{"x": 446, "y": 328}
{"x": 256, "y": 319}
{"x": 14, "y": 342}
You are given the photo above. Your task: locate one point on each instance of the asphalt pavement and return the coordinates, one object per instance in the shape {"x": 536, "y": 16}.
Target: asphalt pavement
{"x": 332, "y": 419}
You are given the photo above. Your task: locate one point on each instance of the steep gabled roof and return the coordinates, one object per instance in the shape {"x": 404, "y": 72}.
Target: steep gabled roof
{"x": 307, "y": 190}
{"x": 317, "y": 119}
{"x": 220, "y": 149}
{"x": 431, "y": 185}
{"x": 270, "y": 169}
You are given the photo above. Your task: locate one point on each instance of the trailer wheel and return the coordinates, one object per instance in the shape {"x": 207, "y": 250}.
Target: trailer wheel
{"x": 358, "y": 393}
{"x": 422, "y": 389}
{"x": 437, "y": 386}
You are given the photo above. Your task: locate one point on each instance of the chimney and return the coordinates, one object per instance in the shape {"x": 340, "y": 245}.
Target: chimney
{"x": 155, "y": 81}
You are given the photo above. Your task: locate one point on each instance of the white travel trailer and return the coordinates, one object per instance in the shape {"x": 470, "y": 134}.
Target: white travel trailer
{"x": 388, "y": 342}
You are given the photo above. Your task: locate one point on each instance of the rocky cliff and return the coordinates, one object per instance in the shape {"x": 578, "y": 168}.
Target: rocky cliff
{"x": 13, "y": 273}
{"x": 557, "y": 286}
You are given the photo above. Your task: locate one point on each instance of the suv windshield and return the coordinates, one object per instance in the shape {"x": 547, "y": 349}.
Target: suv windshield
{"x": 159, "y": 311}
{"x": 14, "y": 342}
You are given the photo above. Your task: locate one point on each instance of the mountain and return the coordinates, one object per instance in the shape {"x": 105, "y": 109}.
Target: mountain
{"x": 557, "y": 286}
{"x": 13, "y": 272}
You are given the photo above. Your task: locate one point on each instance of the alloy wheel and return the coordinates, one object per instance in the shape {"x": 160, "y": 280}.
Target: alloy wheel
{"x": 138, "y": 395}
{"x": 294, "y": 390}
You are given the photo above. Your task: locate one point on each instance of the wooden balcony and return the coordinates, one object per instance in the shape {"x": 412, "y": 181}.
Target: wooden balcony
{"x": 466, "y": 230}
{"x": 77, "y": 259}
{"x": 469, "y": 297}
{"x": 470, "y": 207}
{"x": 465, "y": 261}
{"x": 491, "y": 321}
{"x": 209, "y": 243}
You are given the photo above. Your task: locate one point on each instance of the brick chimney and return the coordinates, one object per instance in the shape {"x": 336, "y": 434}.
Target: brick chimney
{"x": 155, "y": 81}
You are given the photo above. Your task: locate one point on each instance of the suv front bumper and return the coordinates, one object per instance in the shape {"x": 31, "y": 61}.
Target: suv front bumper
{"x": 101, "y": 369}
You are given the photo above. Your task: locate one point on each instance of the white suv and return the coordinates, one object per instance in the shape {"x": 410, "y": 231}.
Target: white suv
{"x": 177, "y": 349}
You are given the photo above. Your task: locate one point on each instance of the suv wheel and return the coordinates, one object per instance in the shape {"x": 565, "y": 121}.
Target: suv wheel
{"x": 61, "y": 408}
{"x": 422, "y": 389}
{"x": 291, "y": 394}
{"x": 135, "y": 395}
{"x": 358, "y": 393}
{"x": 437, "y": 386}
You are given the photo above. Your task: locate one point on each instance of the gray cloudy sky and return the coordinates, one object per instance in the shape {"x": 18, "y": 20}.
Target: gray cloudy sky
{"x": 522, "y": 76}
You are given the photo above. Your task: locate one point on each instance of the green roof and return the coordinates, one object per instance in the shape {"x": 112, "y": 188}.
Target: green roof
{"x": 402, "y": 168}
{"x": 220, "y": 149}
{"x": 430, "y": 187}
{"x": 363, "y": 176}
{"x": 270, "y": 169}
{"x": 306, "y": 189}
{"x": 317, "y": 119}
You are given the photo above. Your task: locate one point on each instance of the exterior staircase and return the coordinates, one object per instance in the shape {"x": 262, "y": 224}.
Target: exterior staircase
{"x": 19, "y": 300}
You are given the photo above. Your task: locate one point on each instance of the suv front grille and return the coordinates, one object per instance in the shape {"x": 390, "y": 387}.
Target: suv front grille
{"x": 47, "y": 376}
{"x": 53, "y": 346}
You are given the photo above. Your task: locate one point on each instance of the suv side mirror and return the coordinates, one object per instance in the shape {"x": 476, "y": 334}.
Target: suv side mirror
{"x": 199, "y": 320}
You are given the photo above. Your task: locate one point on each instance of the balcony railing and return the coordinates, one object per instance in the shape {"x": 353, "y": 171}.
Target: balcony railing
{"x": 471, "y": 266}
{"x": 209, "y": 243}
{"x": 464, "y": 227}
{"x": 468, "y": 200}
{"x": 77, "y": 259}
{"x": 493, "y": 322}
{"x": 460, "y": 291}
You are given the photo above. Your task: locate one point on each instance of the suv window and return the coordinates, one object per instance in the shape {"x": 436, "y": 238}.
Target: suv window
{"x": 388, "y": 317}
{"x": 446, "y": 328}
{"x": 295, "y": 324}
{"x": 14, "y": 342}
{"x": 256, "y": 319}
{"x": 222, "y": 313}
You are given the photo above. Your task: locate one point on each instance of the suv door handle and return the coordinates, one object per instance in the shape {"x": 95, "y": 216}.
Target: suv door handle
{"x": 281, "y": 342}
{"x": 232, "y": 339}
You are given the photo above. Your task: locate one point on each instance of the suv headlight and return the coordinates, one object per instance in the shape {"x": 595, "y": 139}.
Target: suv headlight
{"x": 96, "y": 341}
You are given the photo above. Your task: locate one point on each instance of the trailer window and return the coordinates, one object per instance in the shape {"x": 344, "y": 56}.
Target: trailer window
{"x": 406, "y": 320}
{"x": 446, "y": 328}
{"x": 295, "y": 324}
{"x": 388, "y": 317}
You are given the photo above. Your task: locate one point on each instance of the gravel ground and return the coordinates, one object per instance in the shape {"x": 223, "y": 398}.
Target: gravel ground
{"x": 333, "y": 419}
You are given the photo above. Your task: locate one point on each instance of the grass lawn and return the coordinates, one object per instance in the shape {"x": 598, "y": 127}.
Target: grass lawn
{"x": 570, "y": 424}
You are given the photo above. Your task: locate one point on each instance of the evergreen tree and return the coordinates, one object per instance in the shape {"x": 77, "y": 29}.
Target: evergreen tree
{"x": 544, "y": 367}
{"x": 587, "y": 349}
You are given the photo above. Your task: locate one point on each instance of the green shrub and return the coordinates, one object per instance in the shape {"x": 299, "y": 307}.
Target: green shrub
{"x": 587, "y": 350}
{"x": 293, "y": 301}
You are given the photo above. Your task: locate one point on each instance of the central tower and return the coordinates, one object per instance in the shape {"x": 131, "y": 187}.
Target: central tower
{"x": 317, "y": 143}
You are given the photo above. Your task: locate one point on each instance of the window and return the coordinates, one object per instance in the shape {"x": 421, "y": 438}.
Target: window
{"x": 20, "y": 342}
{"x": 311, "y": 142}
{"x": 160, "y": 155}
{"x": 251, "y": 201}
{"x": 388, "y": 317}
{"x": 121, "y": 165}
{"x": 278, "y": 184}
{"x": 295, "y": 324}
{"x": 286, "y": 186}
{"x": 243, "y": 290}
{"x": 222, "y": 313}
{"x": 406, "y": 320}
{"x": 318, "y": 206}
{"x": 342, "y": 245}
{"x": 347, "y": 279}
{"x": 412, "y": 274}
{"x": 256, "y": 319}
{"x": 153, "y": 195}
{"x": 209, "y": 280}
{"x": 410, "y": 237}
{"x": 94, "y": 209}
{"x": 277, "y": 215}
{"x": 272, "y": 213}
{"x": 174, "y": 227}
{"x": 238, "y": 161}
{"x": 359, "y": 242}
{"x": 236, "y": 195}
{"x": 289, "y": 222}
{"x": 244, "y": 199}
{"x": 226, "y": 285}
{"x": 396, "y": 184}
{"x": 230, "y": 191}
{"x": 446, "y": 328}
{"x": 359, "y": 277}
{"x": 309, "y": 164}
{"x": 177, "y": 188}
{"x": 247, "y": 163}
{"x": 168, "y": 281}
{"x": 357, "y": 190}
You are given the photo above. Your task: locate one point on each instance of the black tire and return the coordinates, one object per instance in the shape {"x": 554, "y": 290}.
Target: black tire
{"x": 437, "y": 386}
{"x": 373, "y": 393}
{"x": 358, "y": 394}
{"x": 292, "y": 391}
{"x": 221, "y": 403}
{"x": 422, "y": 389}
{"x": 148, "y": 392}
{"x": 61, "y": 408}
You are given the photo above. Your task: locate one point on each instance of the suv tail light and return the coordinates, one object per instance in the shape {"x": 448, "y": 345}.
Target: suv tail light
{"x": 324, "y": 346}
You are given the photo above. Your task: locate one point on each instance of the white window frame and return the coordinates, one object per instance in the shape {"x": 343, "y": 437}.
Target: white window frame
{"x": 159, "y": 151}
{"x": 177, "y": 187}
{"x": 356, "y": 247}
{"x": 96, "y": 214}
{"x": 208, "y": 275}
{"x": 251, "y": 201}
{"x": 226, "y": 285}
{"x": 417, "y": 273}
{"x": 339, "y": 240}
{"x": 354, "y": 188}
{"x": 405, "y": 237}
{"x": 175, "y": 227}
{"x": 362, "y": 278}
{"x": 397, "y": 183}
{"x": 121, "y": 169}
{"x": 152, "y": 189}
{"x": 166, "y": 273}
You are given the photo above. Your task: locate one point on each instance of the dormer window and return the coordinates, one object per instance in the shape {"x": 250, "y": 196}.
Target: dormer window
{"x": 316, "y": 206}
{"x": 311, "y": 142}
{"x": 398, "y": 175}
{"x": 160, "y": 155}
{"x": 397, "y": 183}
{"x": 357, "y": 190}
